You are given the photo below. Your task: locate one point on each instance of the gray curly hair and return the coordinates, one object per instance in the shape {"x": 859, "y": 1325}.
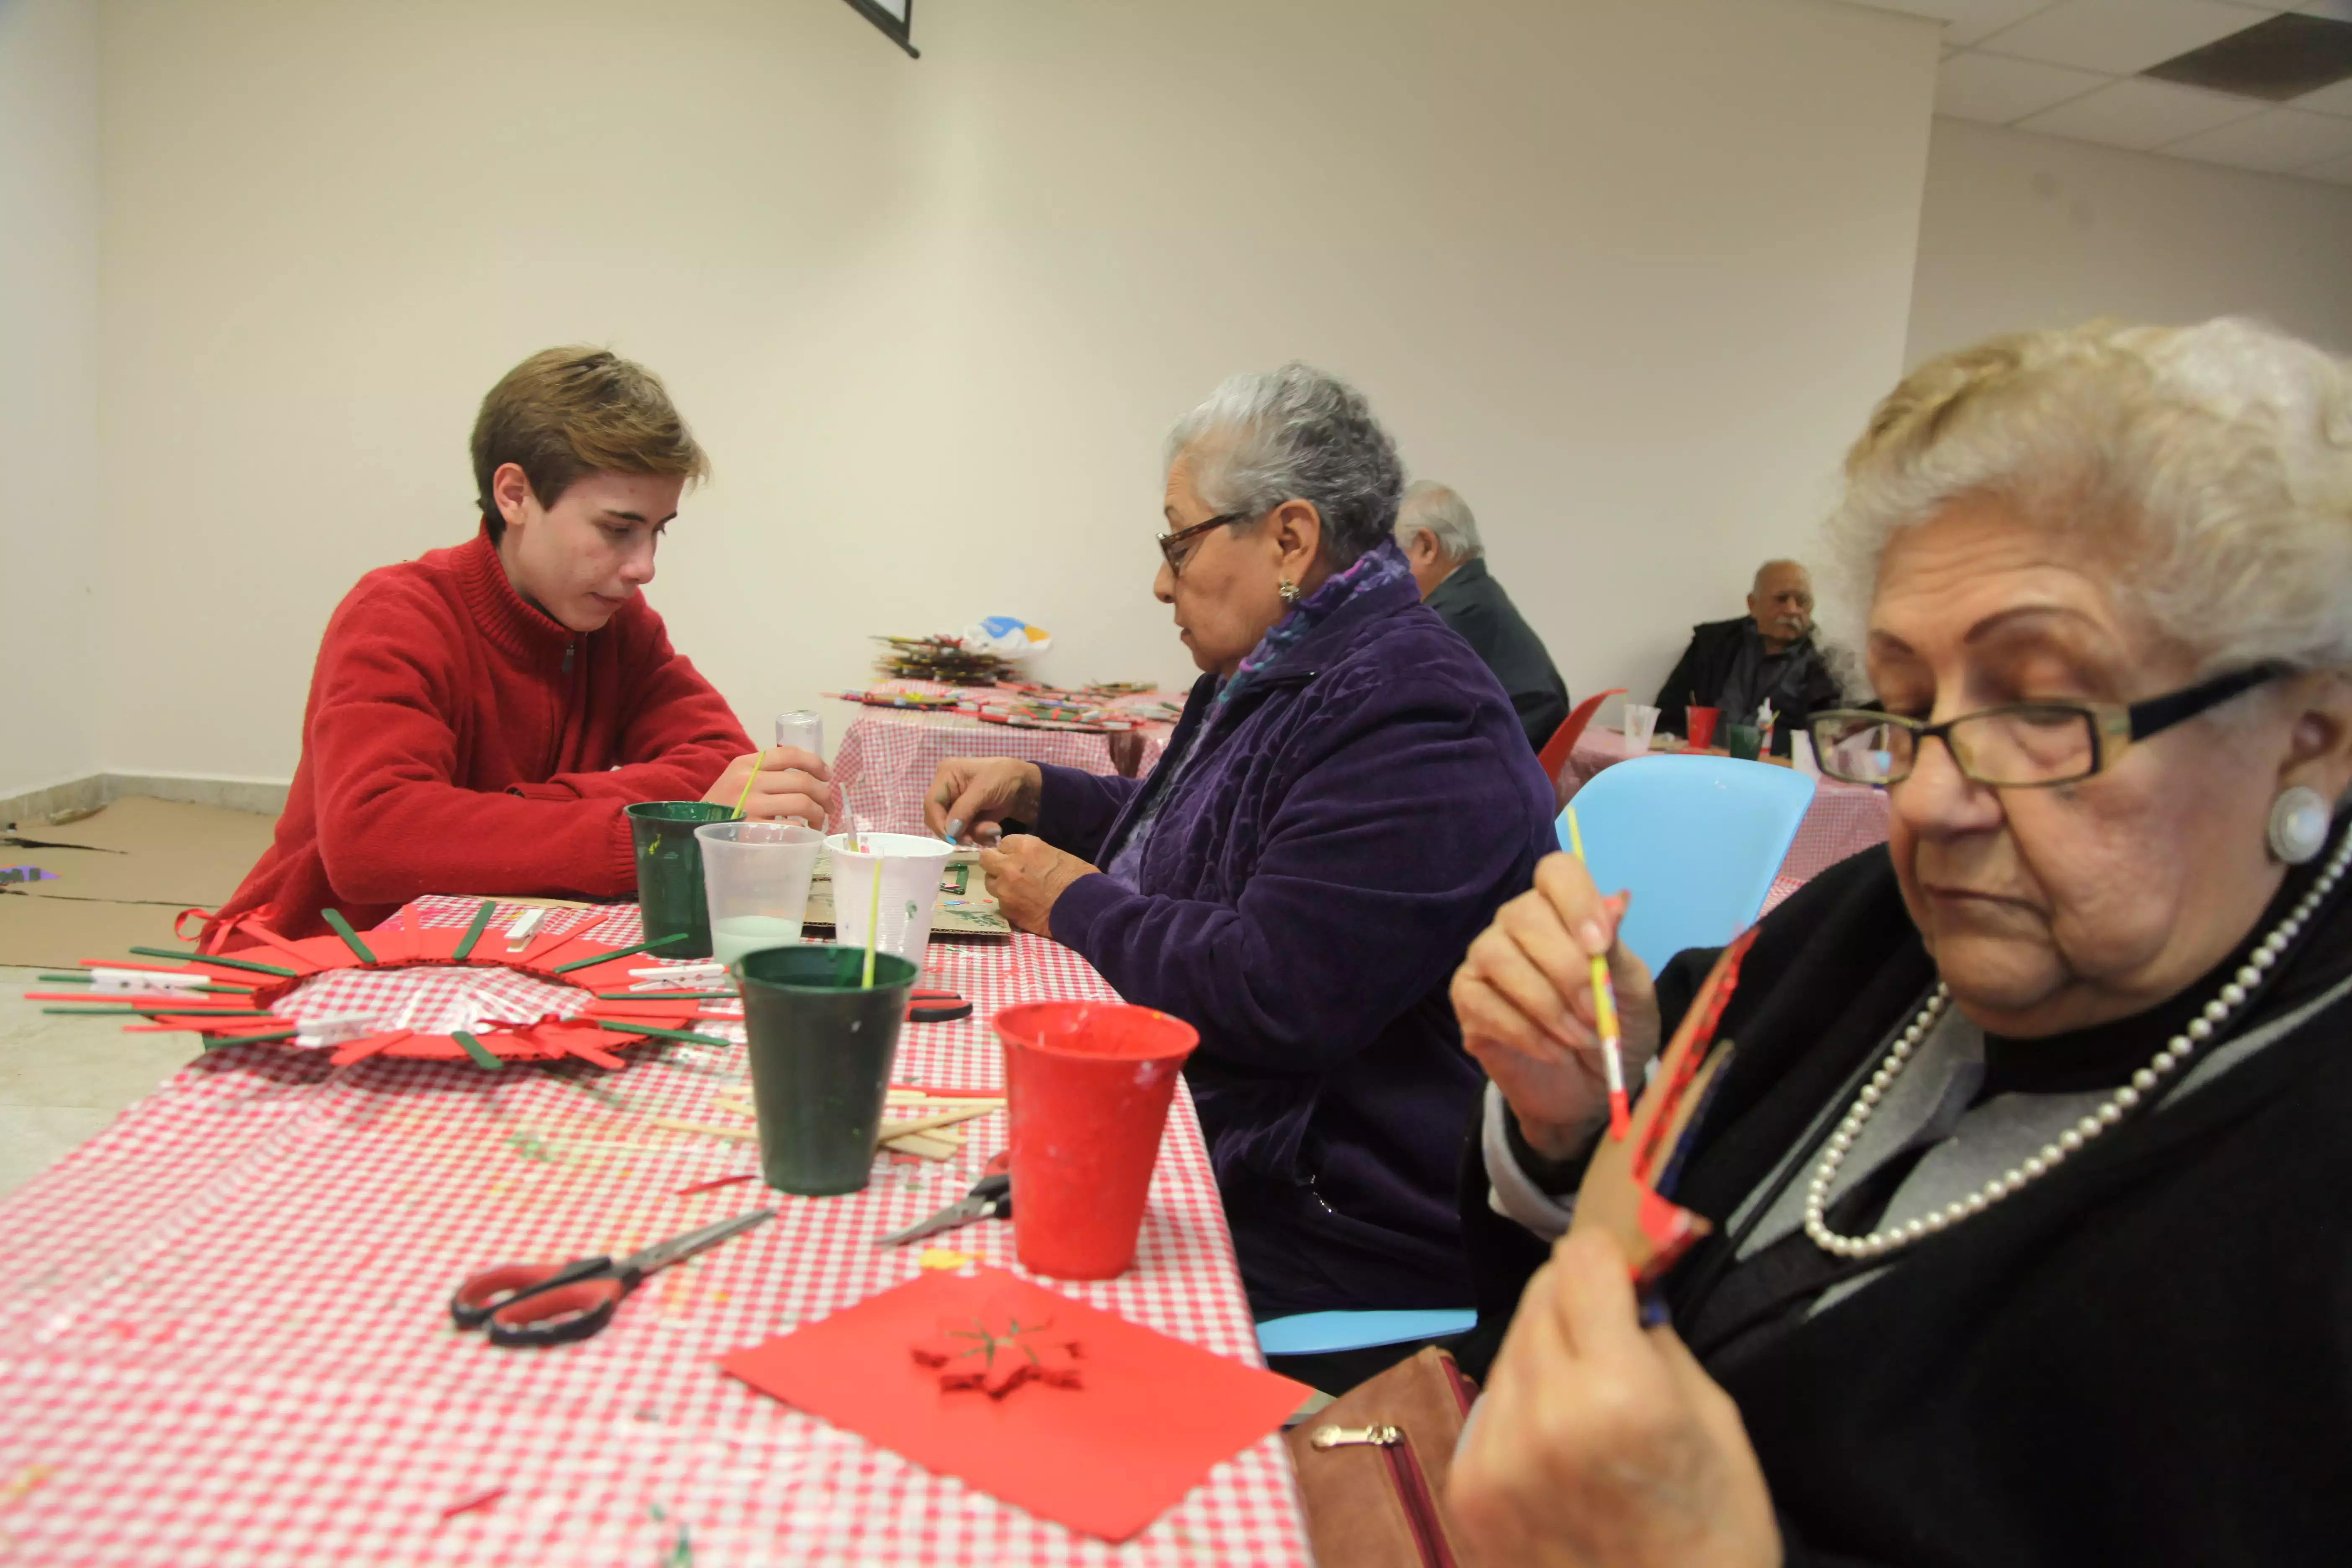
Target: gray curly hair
{"x": 2213, "y": 462}
{"x": 1294, "y": 434}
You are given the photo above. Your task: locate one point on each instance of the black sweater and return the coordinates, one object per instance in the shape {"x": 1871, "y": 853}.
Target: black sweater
{"x": 2144, "y": 1357}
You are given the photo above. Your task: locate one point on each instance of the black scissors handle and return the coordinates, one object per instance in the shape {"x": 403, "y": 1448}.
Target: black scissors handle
{"x": 483, "y": 1296}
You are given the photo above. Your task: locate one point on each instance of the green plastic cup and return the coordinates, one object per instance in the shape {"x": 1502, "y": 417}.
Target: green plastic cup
{"x": 1743, "y": 741}
{"x": 670, "y": 872}
{"x": 822, "y": 1046}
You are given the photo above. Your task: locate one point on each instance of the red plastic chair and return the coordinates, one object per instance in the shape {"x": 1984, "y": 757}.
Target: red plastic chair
{"x": 1554, "y": 755}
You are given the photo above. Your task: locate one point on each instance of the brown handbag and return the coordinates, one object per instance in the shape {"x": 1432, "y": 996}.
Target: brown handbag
{"x": 1372, "y": 1467}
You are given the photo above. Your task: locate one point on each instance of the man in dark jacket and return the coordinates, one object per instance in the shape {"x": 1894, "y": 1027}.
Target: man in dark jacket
{"x": 1766, "y": 655}
{"x": 1440, "y": 538}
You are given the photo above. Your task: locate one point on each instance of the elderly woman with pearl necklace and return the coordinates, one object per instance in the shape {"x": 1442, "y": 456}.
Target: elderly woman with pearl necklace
{"x": 2030, "y": 1172}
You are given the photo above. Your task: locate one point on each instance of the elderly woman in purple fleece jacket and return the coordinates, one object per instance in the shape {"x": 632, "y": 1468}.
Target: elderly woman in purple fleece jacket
{"x": 1345, "y": 803}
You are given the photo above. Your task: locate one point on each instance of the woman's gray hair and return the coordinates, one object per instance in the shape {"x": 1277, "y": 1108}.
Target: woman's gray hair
{"x": 2212, "y": 464}
{"x": 1294, "y": 434}
{"x": 1442, "y": 511}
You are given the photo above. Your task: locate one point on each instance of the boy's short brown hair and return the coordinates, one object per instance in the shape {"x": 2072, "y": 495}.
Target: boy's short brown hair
{"x": 566, "y": 412}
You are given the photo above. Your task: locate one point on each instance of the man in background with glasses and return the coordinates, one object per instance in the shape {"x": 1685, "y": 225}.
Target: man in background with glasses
{"x": 1767, "y": 654}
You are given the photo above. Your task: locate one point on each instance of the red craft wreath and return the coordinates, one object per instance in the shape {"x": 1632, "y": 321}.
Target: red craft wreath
{"x": 273, "y": 968}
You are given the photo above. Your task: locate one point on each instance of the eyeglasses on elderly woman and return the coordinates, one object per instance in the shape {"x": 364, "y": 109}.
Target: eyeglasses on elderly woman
{"x": 2017, "y": 745}
{"x": 1176, "y": 551}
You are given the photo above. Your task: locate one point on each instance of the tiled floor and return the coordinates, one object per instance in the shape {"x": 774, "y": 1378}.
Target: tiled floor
{"x": 64, "y": 1079}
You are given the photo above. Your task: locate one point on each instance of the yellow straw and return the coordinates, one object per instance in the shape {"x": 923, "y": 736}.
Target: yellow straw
{"x": 745, "y": 799}
{"x": 873, "y": 921}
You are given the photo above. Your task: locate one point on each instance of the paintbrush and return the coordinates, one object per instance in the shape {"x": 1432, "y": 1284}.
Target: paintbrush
{"x": 745, "y": 799}
{"x": 1604, "y": 1009}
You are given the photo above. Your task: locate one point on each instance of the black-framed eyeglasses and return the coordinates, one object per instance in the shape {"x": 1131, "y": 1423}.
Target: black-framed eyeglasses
{"x": 2018, "y": 746}
{"x": 1169, "y": 542}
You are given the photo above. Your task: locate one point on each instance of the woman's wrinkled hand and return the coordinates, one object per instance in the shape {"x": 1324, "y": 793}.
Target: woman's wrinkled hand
{"x": 967, "y": 792}
{"x": 1524, "y": 996}
{"x": 792, "y": 783}
{"x": 1026, "y": 875}
{"x": 1599, "y": 1442}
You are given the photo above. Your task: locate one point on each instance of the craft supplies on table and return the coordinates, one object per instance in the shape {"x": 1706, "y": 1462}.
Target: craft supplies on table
{"x": 530, "y": 1306}
{"x": 165, "y": 1360}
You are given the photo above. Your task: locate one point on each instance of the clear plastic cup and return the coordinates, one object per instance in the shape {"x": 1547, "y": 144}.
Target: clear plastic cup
{"x": 756, "y": 877}
{"x": 1640, "y": 723}
{"x": 911, "y": 864}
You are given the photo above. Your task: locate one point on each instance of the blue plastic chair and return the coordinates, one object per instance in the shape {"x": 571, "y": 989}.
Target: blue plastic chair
{"x": 1698, "y": 839}
{"x": 1316, "y": 1333}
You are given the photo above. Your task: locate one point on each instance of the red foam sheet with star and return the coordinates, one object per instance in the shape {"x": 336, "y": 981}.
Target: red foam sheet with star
{"x": 1150, "y": 1418}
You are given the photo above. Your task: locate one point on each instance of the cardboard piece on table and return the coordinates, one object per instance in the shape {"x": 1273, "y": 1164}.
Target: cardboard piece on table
{"x": 1620, "y": 1193}
{"x": 1107, "y": 1458}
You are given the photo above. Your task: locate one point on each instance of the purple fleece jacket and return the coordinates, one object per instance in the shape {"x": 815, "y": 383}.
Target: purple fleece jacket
{"x": 1353, "y": 818}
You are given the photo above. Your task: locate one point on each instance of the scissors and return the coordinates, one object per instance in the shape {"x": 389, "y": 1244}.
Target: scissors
{"x": 533, "y": 1304}
{"x": 991, "y": 1198}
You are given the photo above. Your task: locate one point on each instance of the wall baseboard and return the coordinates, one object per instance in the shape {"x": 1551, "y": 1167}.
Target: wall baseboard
{"x": 258, "y": 795}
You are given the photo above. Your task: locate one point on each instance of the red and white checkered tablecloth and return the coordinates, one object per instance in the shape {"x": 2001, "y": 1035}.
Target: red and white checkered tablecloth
{"x": 223, "y": 1336}
{"x": 1845, "y": 819}
{"x": 889, "y": 756}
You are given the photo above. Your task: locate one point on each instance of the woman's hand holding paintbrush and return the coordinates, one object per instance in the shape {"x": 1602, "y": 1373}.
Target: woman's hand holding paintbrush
{"x": 780, "y": 782}
{"x": 1529, "y": 1015}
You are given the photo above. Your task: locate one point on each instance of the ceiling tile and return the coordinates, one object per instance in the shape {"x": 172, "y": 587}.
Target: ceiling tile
{"x": 2137, "y": 113}
{"x": 2277, "y": 140}
{"x": 2336, "y": 171}
{"x": 2121, "y": 36}
{"x": 2337, "y": 100}
{"x": 1995, "y": 91}
{"x": 1966, "y": 21}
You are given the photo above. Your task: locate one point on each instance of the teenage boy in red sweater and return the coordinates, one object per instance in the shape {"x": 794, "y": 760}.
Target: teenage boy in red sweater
{"x": 478, "y": 716}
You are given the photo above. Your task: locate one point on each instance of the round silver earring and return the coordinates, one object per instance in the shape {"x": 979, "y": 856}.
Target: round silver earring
{"x": 1289, "y": 592}
{"x": 2298, "y": 825}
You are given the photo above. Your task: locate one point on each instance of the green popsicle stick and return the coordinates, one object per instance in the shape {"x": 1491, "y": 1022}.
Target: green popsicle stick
{"x": 484, "y": 1058}
{"x": 215, "y": 958}
{"x": 474, "y": 933}
{"x": 620, "y": 1027}
{"x": 350, "y": 938}
{"x": 666, "y": 996}
{"x": 618, "y": 953}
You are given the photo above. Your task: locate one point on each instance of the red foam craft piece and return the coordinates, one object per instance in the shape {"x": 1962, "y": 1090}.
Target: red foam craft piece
{"x": 399, "y": 944}
{"x": 996, "y": 1356}
{"x": 1148, "y": 1418}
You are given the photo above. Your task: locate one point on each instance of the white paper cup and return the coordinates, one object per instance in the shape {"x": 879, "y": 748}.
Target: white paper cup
{"x": 1640, "y": 723}
{"x": 910, "y": 866}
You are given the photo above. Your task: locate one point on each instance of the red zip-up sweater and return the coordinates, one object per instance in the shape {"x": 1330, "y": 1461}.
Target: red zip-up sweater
{"x": 458, "y": 741}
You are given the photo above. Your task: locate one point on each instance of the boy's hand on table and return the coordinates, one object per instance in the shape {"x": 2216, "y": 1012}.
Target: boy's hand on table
{"x": 790, "y": 783}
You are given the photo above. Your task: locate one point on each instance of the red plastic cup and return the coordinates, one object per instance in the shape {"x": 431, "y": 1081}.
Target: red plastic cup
{"x": 1088, "y": 1084}
{"x": 1702, "y": 727}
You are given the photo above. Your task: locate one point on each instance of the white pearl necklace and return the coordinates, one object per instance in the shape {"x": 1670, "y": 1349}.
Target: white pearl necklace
{"x": 2140, "y": 1089}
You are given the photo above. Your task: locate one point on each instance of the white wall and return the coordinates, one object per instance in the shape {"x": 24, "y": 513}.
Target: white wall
{"x": 2021, "y": 231}
{"x": 1626, "y": 272}
{"x": 48, "y": 390}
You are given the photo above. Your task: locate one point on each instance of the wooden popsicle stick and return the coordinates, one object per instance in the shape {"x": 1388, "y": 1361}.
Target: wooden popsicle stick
{"x": 926, "y": 1146}
{"x": 926, "y": 1124}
